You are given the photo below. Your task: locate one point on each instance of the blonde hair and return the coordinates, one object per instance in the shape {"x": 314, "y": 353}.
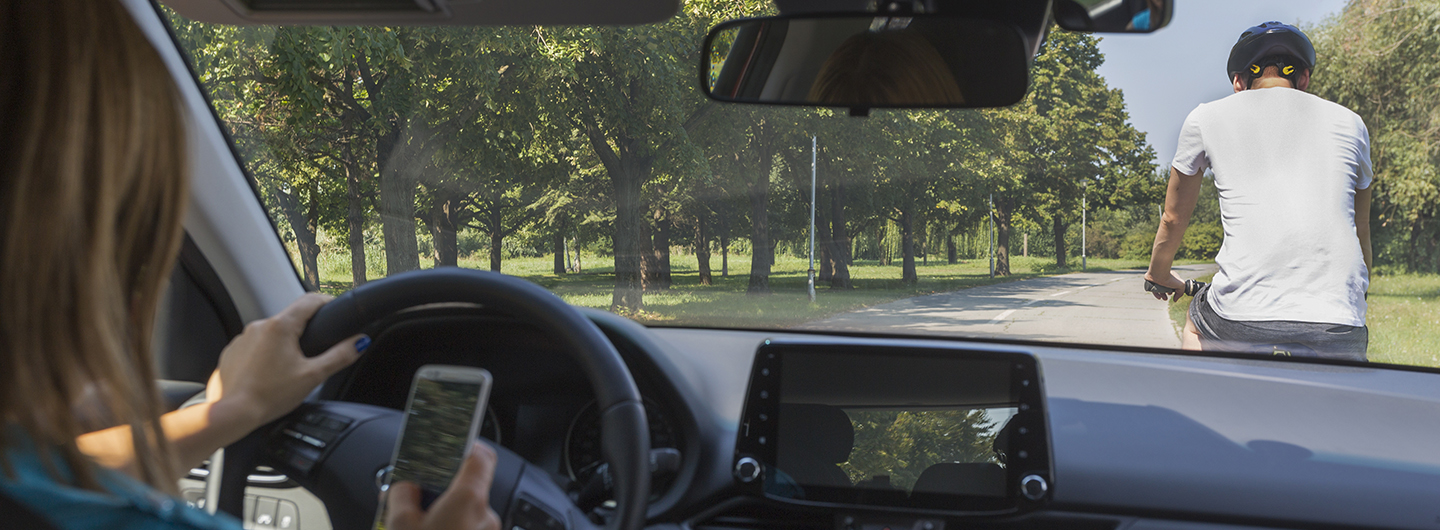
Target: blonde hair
{"x": 885, "y": 67}
{"x": 92, "y": 195}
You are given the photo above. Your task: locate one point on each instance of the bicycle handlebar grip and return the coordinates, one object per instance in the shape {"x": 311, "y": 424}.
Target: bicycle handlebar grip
{"x": 1152, "y": 287}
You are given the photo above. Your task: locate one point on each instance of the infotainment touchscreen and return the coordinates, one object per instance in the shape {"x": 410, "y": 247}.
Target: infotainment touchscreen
{"x": 941, "y": 429}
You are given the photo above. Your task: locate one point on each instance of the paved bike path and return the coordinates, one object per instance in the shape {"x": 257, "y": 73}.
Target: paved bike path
{"x": 1086, "y": 307}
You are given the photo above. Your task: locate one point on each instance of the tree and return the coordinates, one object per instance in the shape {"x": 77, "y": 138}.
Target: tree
{"x": 1070, "y": 133}
{"x": 628, "y": 91}
{"x": 1089, "y": 147}
{"x": 1377, "y": 59}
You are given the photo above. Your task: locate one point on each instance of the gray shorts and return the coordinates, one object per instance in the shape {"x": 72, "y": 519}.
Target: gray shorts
{"x": 1276, "y": 337}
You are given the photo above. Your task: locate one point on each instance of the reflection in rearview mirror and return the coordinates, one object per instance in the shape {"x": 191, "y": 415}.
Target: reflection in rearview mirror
{"x": 865, "y": 61}
{"x": 1113, "y": 16}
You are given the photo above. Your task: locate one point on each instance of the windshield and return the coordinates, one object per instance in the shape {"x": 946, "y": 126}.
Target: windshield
{"x": 586, "y": 160}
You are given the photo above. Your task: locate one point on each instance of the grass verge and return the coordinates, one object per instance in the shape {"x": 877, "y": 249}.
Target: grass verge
{"x": 1179, "y": 309}
{"x": 1404, "y": 319}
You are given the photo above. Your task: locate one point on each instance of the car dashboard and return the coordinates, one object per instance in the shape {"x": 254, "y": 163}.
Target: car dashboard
{"x": 1139, "y": 440}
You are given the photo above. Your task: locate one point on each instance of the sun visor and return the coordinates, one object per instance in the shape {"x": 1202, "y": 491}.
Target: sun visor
{"x": 425, "y": 12}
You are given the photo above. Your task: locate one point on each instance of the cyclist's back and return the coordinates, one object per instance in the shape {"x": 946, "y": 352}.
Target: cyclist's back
{"x": 1293, "y": 174}
{"x": 1286, "y": 166}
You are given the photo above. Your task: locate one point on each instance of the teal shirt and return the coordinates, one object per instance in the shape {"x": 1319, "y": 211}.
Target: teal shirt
{"x": 126, "y": 504}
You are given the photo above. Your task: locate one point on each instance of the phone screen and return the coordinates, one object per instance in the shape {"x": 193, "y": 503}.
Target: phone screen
{"x": 438, "y": 430}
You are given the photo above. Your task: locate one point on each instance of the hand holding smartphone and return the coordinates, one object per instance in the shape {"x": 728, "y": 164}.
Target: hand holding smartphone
{"x": 442, "y": 416}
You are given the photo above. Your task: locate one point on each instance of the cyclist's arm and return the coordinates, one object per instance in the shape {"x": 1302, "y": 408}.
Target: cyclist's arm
{"x": 1181, "y": 195}
{"x": 1362, "y": 223}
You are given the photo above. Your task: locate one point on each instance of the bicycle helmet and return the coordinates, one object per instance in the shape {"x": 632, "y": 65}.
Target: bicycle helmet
{"x": 1268, "y": 43}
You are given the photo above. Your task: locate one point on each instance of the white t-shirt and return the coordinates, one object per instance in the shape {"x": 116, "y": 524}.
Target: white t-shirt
{"x": 1287, "y": 165}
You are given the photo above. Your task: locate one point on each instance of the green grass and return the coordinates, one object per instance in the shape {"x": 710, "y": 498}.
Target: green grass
{"x": 726, "y": 304}
{"x": 1179, "y": 309}
{"x": 1403, "y": 316}
{"x": 1404, "y": 319}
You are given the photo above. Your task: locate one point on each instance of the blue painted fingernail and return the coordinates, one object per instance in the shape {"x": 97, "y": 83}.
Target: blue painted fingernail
{"x": 362, "y": 343}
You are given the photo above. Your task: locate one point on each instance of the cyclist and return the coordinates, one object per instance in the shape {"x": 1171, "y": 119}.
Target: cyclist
{"x": 1293, "y": 172}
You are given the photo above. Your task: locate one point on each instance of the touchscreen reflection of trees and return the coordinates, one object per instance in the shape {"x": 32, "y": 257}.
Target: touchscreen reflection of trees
{"x": 434, "y": 440}
{"x": 900, "y": 444}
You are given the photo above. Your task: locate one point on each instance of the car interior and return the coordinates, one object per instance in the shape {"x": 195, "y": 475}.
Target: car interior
{"x": 601, "y": 421}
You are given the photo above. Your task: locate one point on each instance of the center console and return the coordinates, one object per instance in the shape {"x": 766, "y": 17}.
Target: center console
{"x": 895, "y": 433}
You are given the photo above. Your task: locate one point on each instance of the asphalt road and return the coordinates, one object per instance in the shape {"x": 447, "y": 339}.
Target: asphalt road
{"x": 1085, "y": 307}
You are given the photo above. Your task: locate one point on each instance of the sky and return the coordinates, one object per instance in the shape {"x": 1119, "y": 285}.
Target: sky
{"x": 1167, "y": 73}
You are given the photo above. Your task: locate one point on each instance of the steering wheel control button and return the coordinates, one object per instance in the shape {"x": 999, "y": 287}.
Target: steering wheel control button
{"x": 305, "y": 439}
{"x": 1034, "y": 487}
{"x": 747, "y": 470}
{"x": 288, "y": 517}
{"x": 528, "y": 516}
{"x": 265, "y": 508}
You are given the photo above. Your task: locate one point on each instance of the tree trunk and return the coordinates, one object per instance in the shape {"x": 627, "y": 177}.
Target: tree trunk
{"x": 884, "y": 250}
{"x": 838, "y": 242}
{"x": 759, "y": 238}
{"x": 493, "y": 226}
{"x": 702, "y": 248}
{"x": 950, "y": 249}
{"x": 579, "y": 267}
{"x": 355, "y": 225}
{"x": 1002, "y": 238}
{"x": 907, "y": 246}
{"x": 355, "y": 222}
{"x": 310, "y": 254}
{"x": 724, "y": 256}
{"x": 626, "y": 181}
{"x": 761, "y": 253}
{"x": 664, "y": 226}
{"x": 824, "y": 270}
{"x": 397, "y": 204}
{"x": 557, "y": 242}
{"x": 1058, "y": 228}
{"x": 444, "y": 216}
{"x": 304, "y": 228}
{"x": 649, "y": 261}
{"x": 656, "y": 261}
{"x": 759, "y": 241}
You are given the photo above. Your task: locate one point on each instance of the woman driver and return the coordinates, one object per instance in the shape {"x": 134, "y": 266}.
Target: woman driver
{"x": 92, "y": 194}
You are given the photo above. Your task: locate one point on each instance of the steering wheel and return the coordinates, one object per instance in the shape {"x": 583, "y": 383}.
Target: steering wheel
{"x": 336, "y": 448}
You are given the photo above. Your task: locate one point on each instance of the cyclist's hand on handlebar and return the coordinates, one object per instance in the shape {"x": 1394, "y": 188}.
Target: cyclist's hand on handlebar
{"x": 1170, "y": 281}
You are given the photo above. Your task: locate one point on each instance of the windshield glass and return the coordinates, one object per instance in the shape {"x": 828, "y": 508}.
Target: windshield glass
{"x": 587, "y": 160}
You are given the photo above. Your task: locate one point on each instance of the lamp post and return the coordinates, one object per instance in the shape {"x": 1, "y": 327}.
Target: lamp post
{"x": 1083, "y": 195}
{"x": 811, "y": 273}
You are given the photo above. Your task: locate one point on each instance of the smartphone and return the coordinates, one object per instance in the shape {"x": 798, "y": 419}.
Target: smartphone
{"x": 442, "y": 416}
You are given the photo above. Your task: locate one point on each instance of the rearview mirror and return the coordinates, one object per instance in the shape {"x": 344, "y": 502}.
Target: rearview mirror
{"x": 1113, "y": 16}
{"x": 864, "y": 61}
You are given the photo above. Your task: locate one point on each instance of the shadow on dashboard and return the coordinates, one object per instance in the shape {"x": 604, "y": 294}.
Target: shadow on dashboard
{"x": 1159, "y": 458}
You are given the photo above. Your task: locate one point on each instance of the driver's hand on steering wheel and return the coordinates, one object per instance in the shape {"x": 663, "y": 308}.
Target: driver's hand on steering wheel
{"x": 263, "y": 375}
{"x": 464, "y": 505}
